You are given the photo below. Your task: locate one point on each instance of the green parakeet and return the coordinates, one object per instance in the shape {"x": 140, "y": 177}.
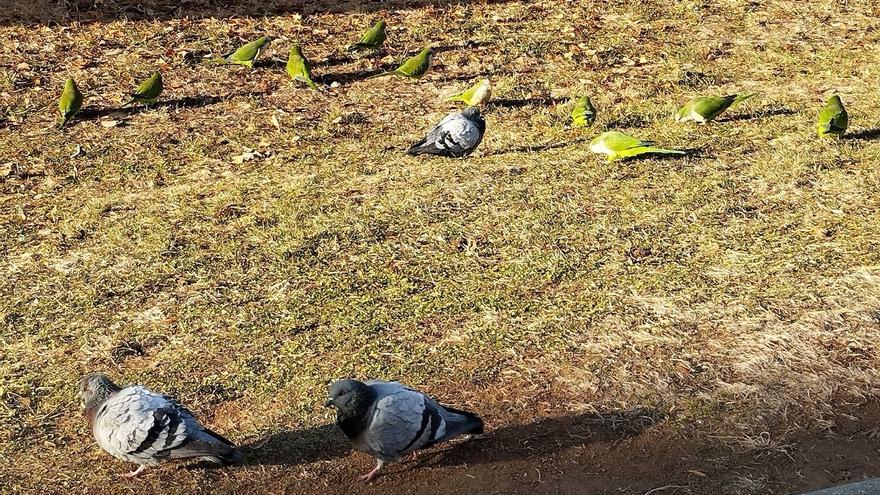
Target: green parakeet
{"x": 833, "y": 119}
{"x": 476, "y": 95}
{"x": 414, "y": 67}
{"x": 148, "y": 92}
{"x": 584, "y": 113}
{"x": 70, "y": 103}
{"x": 246, "y": 54}
{"x": 372, "y": 38}
{"x": 705, "y": 108}
{"x": 618, "y": 146}
{"x": 299, "y": 68}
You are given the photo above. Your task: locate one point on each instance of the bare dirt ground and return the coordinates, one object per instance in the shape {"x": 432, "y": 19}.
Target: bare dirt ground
{"x": 701, "y": 325}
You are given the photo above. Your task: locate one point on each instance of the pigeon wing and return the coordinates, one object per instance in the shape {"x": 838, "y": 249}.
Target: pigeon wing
{"x": 403, "y": 421}
{"x": 139, "y": 426}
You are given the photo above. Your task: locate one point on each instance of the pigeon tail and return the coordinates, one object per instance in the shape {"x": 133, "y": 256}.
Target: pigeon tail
{"x": 210, "y": 446}
{"x": 419, "y": 148}
{"x": 462, "y": 422}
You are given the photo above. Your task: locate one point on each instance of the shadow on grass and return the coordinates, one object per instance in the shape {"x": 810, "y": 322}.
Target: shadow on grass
{"x": 688, "y": 153}
{"x": 293, "y": 447}
{"x": 757, "y": 114}
{"x": 525, "y": 102}
{"x": 92, "y": 113}
{"x": 547, "y": 436}
{"x": 538, "y": 147}
{"x": 358, "y": 75}
{"x": 48, "y": 12}
{"x": 864, "y": 135}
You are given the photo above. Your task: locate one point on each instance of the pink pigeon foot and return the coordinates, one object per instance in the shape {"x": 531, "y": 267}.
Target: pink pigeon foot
{"x": 134, "y": 473}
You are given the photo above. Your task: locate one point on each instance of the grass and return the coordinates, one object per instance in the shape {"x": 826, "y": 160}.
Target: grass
{"x": 732, "y": 288}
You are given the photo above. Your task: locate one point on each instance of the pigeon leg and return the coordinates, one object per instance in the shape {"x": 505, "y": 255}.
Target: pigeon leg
{"x": 412, "y": 457}
{"x": 134, "y": 473}
{"x": 372, "y": 474}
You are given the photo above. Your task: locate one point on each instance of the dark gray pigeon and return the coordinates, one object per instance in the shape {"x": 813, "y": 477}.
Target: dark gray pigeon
{"x": 456, "y": 136}
{"x": 389, "y": 420}
{"x": 136, "y": 425}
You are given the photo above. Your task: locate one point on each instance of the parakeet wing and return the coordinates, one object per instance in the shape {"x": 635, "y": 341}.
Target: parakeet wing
{"x": 151, "y": 88}
{"x": 248, "y": 51}
{"x": 618, "y": 141}
{"x": 711, "y": 106}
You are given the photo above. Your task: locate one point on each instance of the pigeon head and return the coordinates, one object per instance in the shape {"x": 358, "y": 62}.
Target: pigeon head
{"x": 471, "y": 113}
{"x": 350, "y": 397}
{"x": 95, "y": 388}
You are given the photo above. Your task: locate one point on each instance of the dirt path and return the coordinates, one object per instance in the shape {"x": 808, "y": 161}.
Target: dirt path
{"x": 632, "y": 453}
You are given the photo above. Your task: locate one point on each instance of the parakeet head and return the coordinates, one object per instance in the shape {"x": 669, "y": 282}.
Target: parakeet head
{"x": 680, "y": 114}
{"x": 296, "y": 50}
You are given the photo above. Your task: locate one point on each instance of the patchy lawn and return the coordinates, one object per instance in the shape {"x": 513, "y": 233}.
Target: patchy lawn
{"x": 685, "y": 324}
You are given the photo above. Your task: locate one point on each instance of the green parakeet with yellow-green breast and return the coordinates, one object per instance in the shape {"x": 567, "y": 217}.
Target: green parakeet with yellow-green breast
{"x": 299, "y": 68}
{"x": 476, "y": 95}
{"x": 833, "y": 119}
{"x": 149, "y": 90}
{"x": 414, "y": 67}
{"x": 705, "y": 108}
{"x": 246, "y": 54}
{"x": 584, "y": 113}
{"x": 616, "y": 145}
{"x": 70, "y": 103}
{"x": 372, "y": 38}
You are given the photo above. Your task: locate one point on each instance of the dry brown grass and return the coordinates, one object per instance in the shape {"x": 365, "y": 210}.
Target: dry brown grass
{"x": 734, "y": 289}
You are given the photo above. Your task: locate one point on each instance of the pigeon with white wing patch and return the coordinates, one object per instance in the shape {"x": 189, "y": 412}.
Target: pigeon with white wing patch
{"x": 456, "y": 136}
{"x": 389, "y": 420}
{"x": 139, "y": 426}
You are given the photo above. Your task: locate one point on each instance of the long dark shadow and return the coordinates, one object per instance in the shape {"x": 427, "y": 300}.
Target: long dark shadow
{"x": 525, "y": 102}
{"x": 537, "y": 147}
{"x": 864, "y": 135}
{"x": 92, "y": 113}
{"x": 358, "y": 75}
{"x": 293, "y": 447}
{"x": 50, "y": 12}
{"x": 547, "y": 436}
{"x": 757, "y": 114}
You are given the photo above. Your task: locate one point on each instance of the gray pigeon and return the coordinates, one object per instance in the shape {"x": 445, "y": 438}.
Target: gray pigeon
{"x": 456, "y": 136}
{"x": 389, "y": 420}
{"x": 136, "y": 425}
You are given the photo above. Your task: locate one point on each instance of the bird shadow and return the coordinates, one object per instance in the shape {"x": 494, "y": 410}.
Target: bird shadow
{"x": 294, "y": 447}
{"x": 358, "y": 75}
{"x": 864, "y": 135}
{"x": 94, "y": 113}
{"x": 270, "y": 63}
{"x": 333, "y": 60}
{"x": 537, "y": 147}
{"x": 757, "y": 114}
{"x": 470, "y": 44}
{"x": 525, "y": 102}
{"x": 548, "y": 436}
{"x": 632, "y": 121}
{"x": 688, "y": 153}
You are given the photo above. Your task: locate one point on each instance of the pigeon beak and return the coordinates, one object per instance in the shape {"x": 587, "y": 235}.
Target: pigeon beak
{"x": 329, "y": 403}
